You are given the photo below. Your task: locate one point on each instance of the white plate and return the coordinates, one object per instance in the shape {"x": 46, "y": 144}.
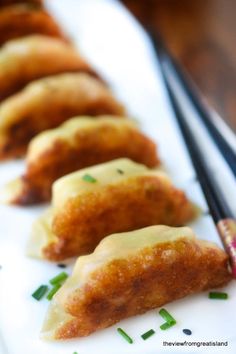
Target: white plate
{"x": 113, "y": 41}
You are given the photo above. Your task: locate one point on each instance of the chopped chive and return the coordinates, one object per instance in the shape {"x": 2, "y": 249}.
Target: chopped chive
{"x": 148, "y": 334}
{"x": 125, "y": 335}
{"x": 89, "y": 178}
{"x": 53, "y": 291}
{"x": 59, "y": 278}
{"x": 167, "y": 325}
{"x": 75, "y": 353}
{"x": 167, "y": 316}
{"x": 121, "y": 172}
{"x": 218, "y": 295}
{"x": 61, "y": 265}
{"x": 40, "y": 292}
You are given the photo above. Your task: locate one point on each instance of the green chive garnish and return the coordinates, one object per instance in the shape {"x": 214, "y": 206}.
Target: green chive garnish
{"x": 89, "y": 178}
{"x": 40, "y": 292}
{"x": 125, "y": 335}
{"x": 59, "y": 278}
{"x": 53, "y": 291}
{"x": 148, "y": 334}
{"x": 166, "y": 325}
{"x": 75, "y": 353}
{"x": 167, "y": 316}
{"x": 170, "y": 321}
{"x": 218, "y": 295}
{"x": 121, "y": 172}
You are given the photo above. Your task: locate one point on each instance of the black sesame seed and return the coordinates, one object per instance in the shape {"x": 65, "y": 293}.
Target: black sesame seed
{"x": 120, "y": 171}
{"x": 187, "y": 331}
{"x": 61, "y": 265}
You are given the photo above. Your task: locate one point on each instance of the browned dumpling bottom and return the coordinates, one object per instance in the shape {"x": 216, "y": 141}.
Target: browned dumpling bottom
{"x": 131, "y": 273}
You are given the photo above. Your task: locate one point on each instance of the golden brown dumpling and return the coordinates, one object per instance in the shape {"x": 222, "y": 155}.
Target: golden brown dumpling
{"x": 30, "y": 2}
{"x": 131, "y": 273}
{"x": 48, "y": 102}
{"x": 92, "y": 203}
{"x": 30, "y": 58}
{"x": 78, "y": 143}
{"x": 21, "y": 20}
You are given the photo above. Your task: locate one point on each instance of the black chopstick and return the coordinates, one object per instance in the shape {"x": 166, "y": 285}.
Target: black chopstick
{"x": 218, "y": 206}
{"x": 221, "y": 141}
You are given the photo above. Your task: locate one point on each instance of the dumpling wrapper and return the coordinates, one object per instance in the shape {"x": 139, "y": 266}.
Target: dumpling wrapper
{"x": 78, "y": 143}
{"x": 131, "y": 273}
{"x": 48, "y": 102}
{"x": 92, "y": 203}
{"x": 30, "y": 58}
{"x": 19, "y": 20}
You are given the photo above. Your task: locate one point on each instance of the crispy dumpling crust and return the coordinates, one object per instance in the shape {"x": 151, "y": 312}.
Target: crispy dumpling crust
{"x": 48, "y": 102}
{"x": 30, "y": 58}
{"x": 144, "y": 280}
{"x": 102, "y": 140}
{"x": 22, "y": 20}
{"x": 131, "y": 204}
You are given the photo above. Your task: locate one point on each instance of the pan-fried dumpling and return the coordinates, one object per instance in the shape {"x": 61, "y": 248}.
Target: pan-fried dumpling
{"x": 48, "y": 102}
{"x": 92, "y": 203}
{"x": 30, "y": 2}
{"x": 20, "y": 20}
{"x": 131, "y": 273}
{"x": 78, "y": 143}
{"x": 30, "y": 58}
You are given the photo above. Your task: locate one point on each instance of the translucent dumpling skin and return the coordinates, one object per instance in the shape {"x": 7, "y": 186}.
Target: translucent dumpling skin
{"x": 92, "y": 203}
{"x": 131, "y": 273}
